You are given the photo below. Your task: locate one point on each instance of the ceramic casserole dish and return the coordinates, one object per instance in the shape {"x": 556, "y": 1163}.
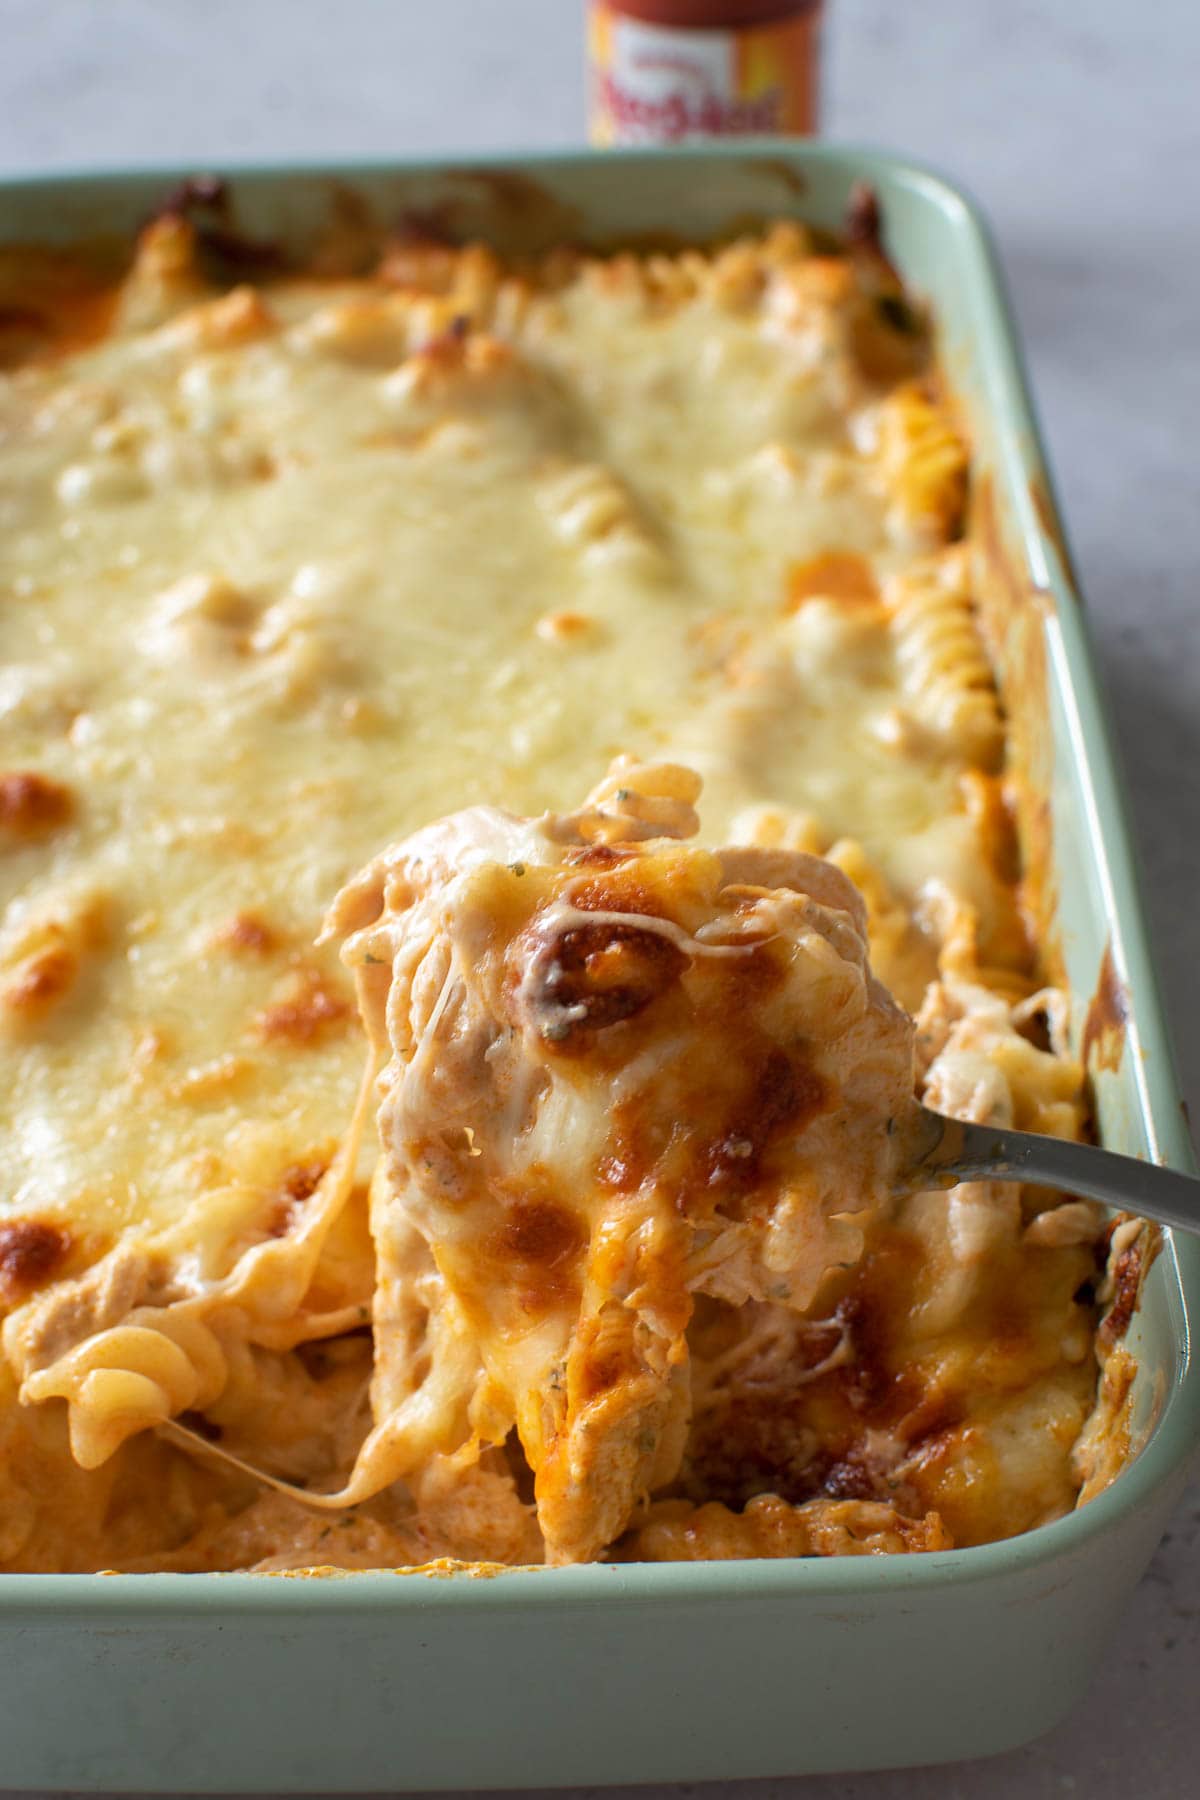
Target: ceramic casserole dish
{"x": 638, "y": 1672}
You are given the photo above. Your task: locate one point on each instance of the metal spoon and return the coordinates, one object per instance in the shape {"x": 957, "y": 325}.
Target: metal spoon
{"x": 947, "y": 1151}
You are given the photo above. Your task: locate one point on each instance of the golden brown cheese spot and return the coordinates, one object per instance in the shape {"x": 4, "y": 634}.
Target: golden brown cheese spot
{"x": 32, "y": 805}
{"x": 536, "y": 1249}
{"x": 41, "y": 980}
{"x": 31, "y": 1250}
{"x": 764, "y": 1090}
{"x": 821, "y": 280}
{"x": 455, "y": 361}
{"x": 222, "y": 1078}
{"x": 601, "y": 975}
{"x": 636, "y": 1150}
{"x": 42, "y": 962}
{"x": 307, "y": 1007}
{"x": 246, "y": 934}
{"x": 563, "y": 627}
{"x": 540, "y": 1231}
{"x": 236, "y": 318}
{"x": 303, "y": 1179}
{"x": 835, "y": 575}
{"x": 784, "y": 1094}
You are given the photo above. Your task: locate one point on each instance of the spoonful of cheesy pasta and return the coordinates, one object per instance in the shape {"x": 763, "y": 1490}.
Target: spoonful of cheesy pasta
{"x": 622, "y": 1071}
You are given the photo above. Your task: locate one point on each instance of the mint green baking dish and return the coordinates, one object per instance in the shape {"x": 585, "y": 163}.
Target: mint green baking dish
{"x": 658, "y": 1672}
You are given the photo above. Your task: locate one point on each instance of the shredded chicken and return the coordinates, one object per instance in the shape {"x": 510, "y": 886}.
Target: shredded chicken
{"x": 623, "y": 1071}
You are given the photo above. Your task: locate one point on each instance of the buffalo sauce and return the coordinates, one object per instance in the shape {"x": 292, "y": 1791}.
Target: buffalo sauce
{"x": 666, "y": 71}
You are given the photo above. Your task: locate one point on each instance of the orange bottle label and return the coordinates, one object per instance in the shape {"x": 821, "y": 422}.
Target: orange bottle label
{"x": 661, "y": 84}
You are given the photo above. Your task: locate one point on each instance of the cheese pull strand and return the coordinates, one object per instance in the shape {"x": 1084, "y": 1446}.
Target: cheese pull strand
{"x": 159, "y": 1361}
{"x": 195, "y": 1445}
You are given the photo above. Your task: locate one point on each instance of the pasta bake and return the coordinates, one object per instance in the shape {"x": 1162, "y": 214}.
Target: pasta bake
{"x": 495, "y": 756}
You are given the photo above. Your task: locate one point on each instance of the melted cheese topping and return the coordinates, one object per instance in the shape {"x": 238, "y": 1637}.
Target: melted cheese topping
{"x": 282, "y": 575}
{"x": 289, "y": 569}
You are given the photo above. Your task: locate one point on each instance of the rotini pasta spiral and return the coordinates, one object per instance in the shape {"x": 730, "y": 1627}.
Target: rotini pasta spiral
{"x": 158, "y": 1363}
{"x": 154, "y": 1362}
{"x": 943, "y": 669}
{"x": 924, "y": 462}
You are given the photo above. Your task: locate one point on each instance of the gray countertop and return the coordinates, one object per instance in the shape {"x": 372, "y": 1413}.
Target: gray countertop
{"x": 1078, "y": 127}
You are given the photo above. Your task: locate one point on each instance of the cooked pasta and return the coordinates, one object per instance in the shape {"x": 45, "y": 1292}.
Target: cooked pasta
{"x": 300, "y": 556}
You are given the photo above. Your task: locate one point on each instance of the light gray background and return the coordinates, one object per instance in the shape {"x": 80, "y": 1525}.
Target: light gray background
{"x": 1077, "y": 124}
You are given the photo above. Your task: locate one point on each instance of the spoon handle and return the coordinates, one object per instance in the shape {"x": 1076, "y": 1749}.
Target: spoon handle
{"x": 966, "y": 1152}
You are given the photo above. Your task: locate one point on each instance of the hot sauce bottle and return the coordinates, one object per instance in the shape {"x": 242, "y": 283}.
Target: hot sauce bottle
{"x": 665, "y": 71}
